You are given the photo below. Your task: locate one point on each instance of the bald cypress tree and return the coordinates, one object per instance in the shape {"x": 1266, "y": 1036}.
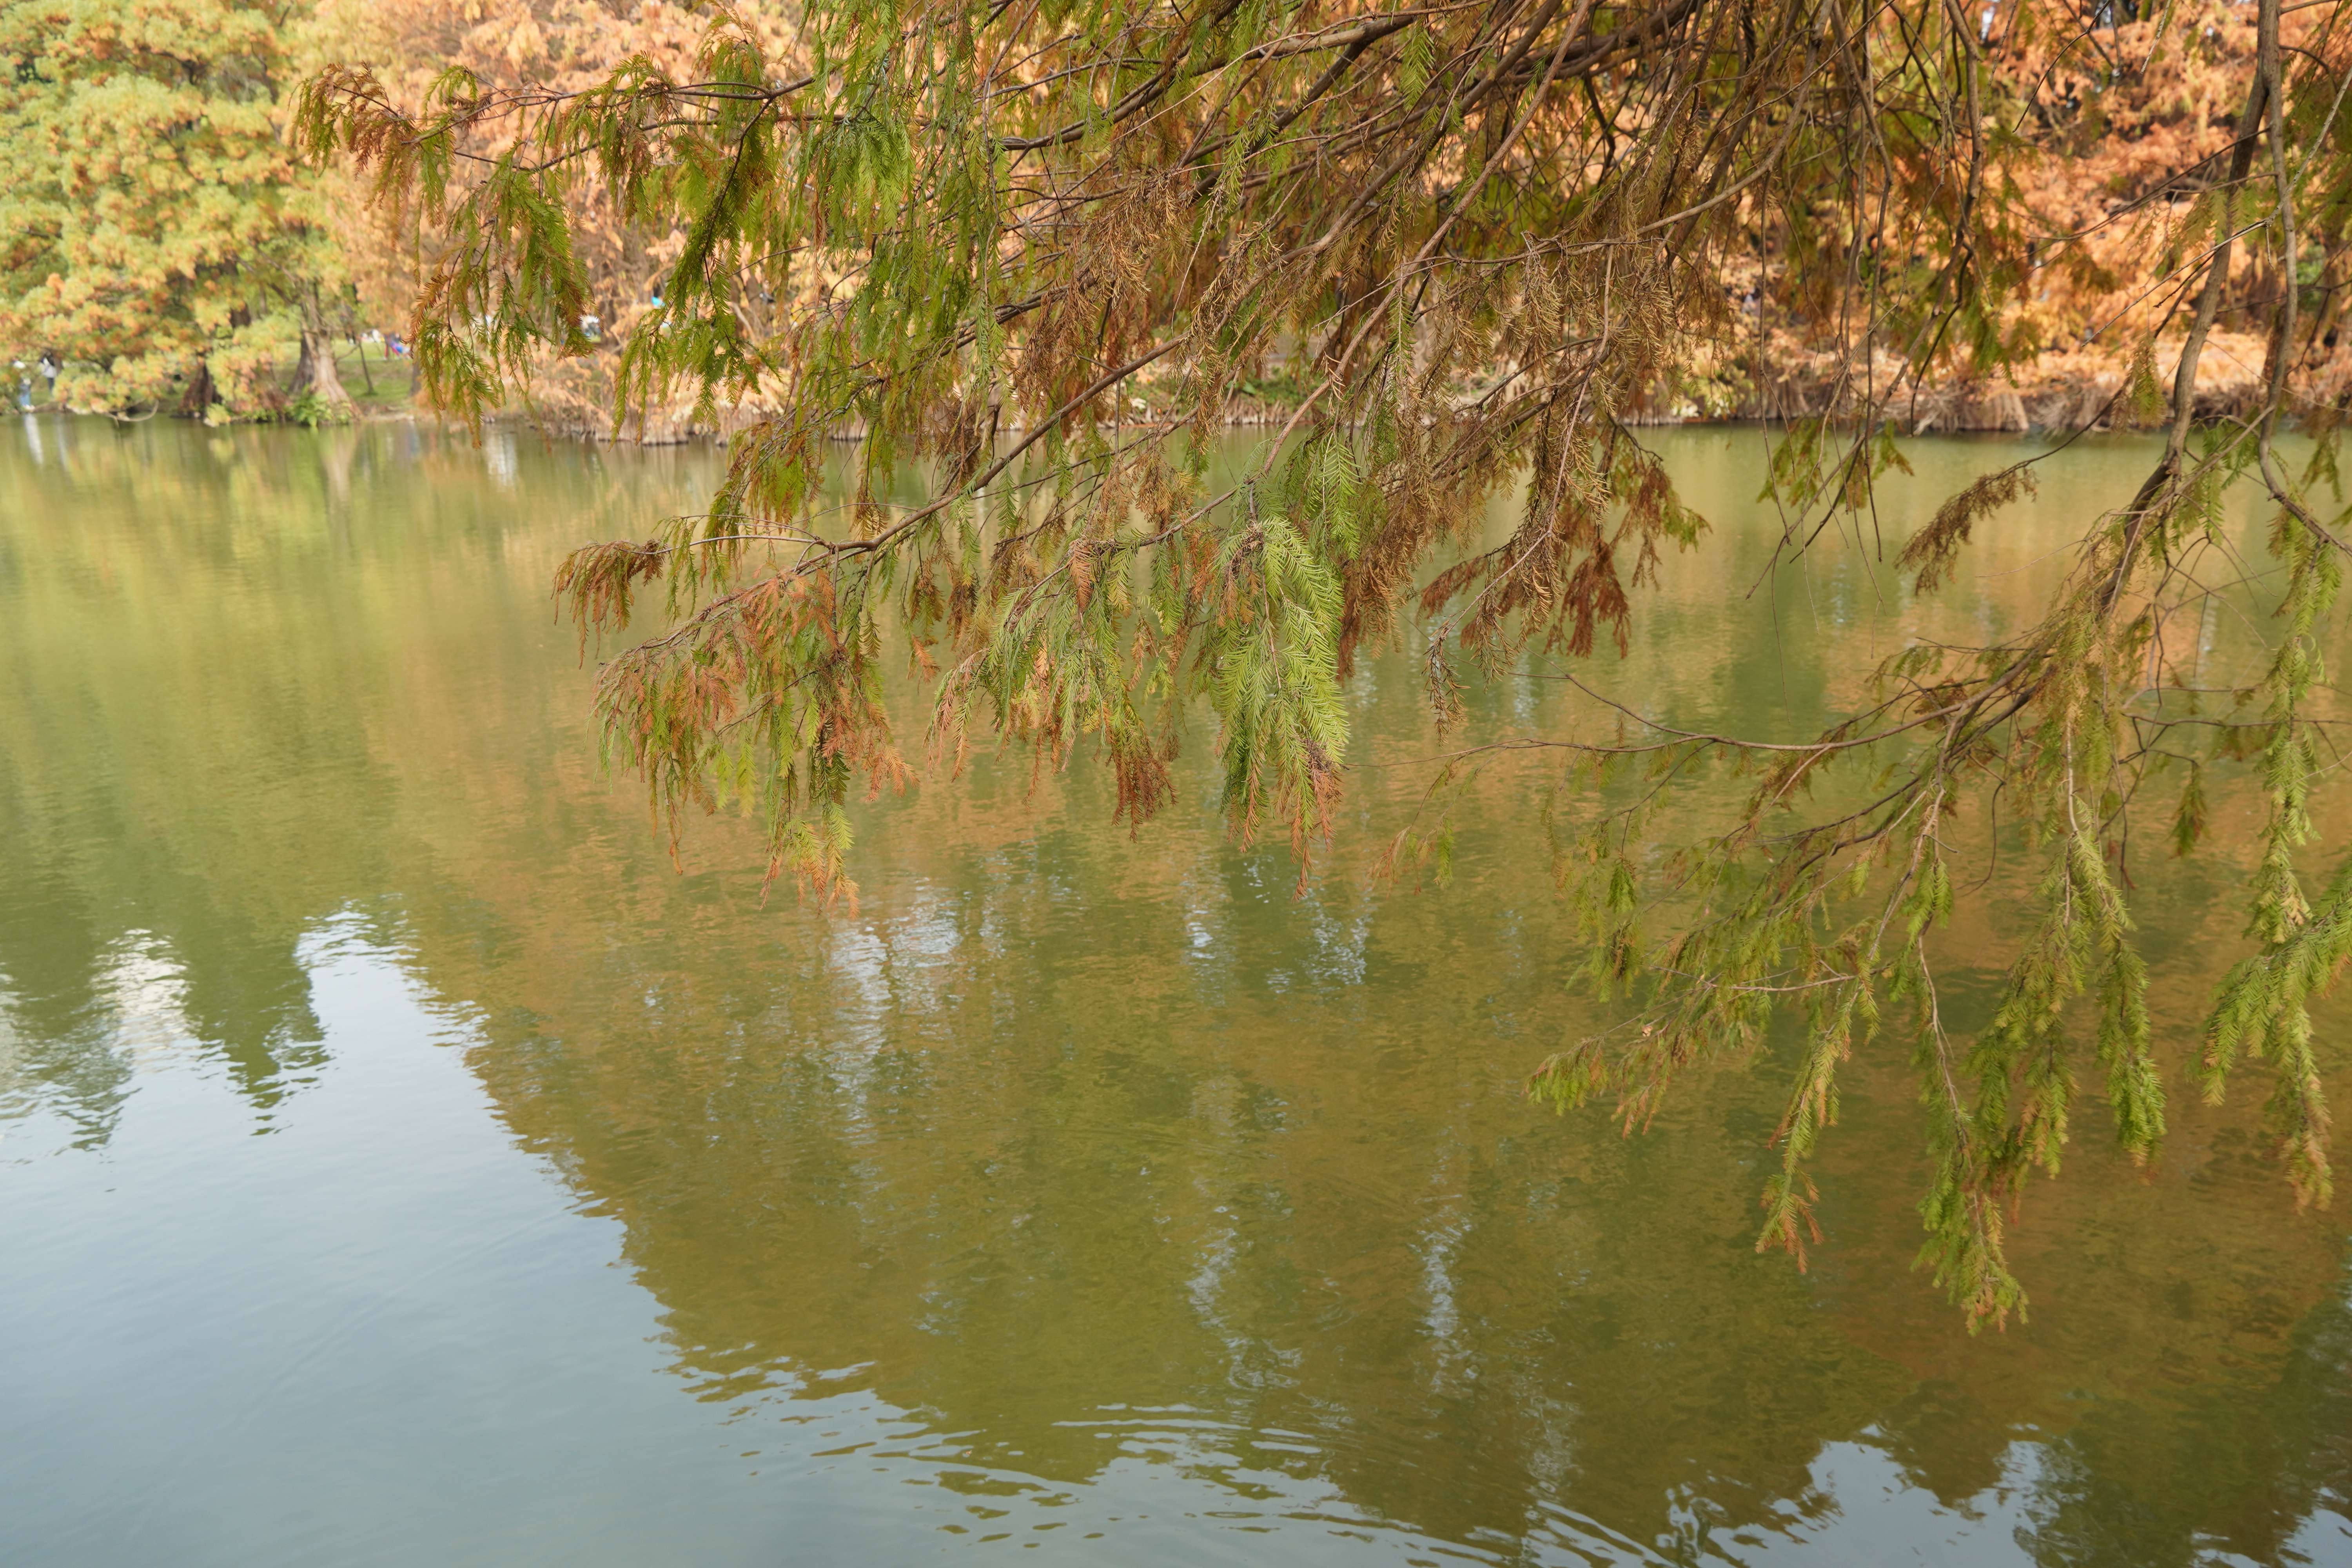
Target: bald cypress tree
{"x": 1039, "y": 245}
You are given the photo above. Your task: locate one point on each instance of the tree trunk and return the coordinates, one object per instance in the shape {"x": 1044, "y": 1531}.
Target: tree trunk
{"x": 200, "y": 394}
{"x": 315, "y": 371}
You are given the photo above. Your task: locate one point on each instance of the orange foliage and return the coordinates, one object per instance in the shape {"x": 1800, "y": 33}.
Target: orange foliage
{"x": 568, "y": 45}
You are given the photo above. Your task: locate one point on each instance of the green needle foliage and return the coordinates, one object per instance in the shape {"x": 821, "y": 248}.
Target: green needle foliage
{"x": 1038, "y": 244}
{"x": 158, "y": 237}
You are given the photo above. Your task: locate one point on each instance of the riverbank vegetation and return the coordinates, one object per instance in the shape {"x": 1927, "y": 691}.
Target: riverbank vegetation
{"x": 166, "y": 251}
{"x": 163, "y": 246}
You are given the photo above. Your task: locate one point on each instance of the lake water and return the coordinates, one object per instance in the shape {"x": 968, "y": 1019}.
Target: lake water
{"x": 402, "y": 1162}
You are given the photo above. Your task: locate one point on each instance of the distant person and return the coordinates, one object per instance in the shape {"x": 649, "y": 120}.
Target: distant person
{"x": 49, "y": 368}
{"x": 23, "y": 388}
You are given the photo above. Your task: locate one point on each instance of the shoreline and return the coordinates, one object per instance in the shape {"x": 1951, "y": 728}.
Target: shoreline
{"x": 1998, "y": 414}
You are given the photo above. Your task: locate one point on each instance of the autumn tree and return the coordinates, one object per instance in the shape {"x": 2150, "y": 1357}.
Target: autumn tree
{"x": 568, "y": 45}
{"x": 157, "y": 234}
{"x": 1038, "y": 244}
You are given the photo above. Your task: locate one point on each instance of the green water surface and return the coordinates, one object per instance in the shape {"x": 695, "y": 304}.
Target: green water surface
{"x": 402, "y": 1162}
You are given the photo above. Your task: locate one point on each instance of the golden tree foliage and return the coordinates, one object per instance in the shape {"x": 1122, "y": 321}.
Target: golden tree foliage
{"x": 158, "y": 238}
{"x": 570, "y": 46}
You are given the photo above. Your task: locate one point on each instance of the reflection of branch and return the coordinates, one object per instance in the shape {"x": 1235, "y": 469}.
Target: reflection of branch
{"x": 1694, "y": 737}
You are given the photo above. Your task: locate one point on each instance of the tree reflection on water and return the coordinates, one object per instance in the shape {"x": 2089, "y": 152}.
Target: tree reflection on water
{"x": 1076, "y": 1149}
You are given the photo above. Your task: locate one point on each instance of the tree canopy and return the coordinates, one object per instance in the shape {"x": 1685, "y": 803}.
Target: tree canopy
{"x": 161, "y": 237}
{"x": 1038, "y": 246}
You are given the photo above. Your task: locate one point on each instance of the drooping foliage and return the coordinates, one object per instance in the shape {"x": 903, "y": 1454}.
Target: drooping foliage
{"x": 1038, "y": 246}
